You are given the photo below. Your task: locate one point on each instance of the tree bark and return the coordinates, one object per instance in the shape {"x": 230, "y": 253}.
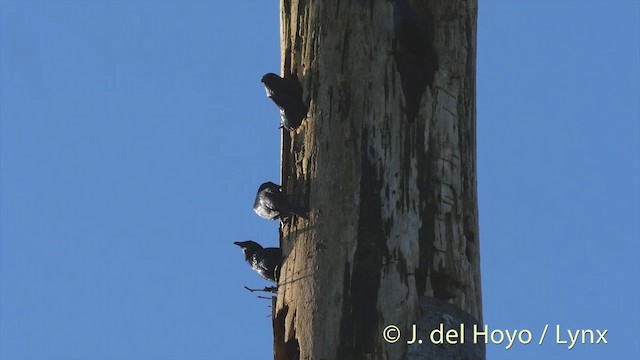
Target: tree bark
{"x": 386, "y": 160}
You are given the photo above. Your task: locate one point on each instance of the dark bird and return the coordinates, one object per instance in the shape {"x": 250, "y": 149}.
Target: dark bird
{"x": 265, "y": 261}
{"x": 287, "y": 94}
{"x": 271, "y": 203}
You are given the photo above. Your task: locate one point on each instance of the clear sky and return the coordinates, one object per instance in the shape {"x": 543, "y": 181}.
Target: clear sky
{"x": 134, "y": 135}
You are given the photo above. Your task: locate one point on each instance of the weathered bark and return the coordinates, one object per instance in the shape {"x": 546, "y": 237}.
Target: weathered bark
{"x": 387, "y": 161}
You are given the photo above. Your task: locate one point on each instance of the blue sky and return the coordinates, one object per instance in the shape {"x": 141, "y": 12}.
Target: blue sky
{"x": 134, "y": 134}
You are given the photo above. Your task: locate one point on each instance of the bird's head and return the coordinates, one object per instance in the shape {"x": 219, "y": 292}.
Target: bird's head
{"x": 270, "y": 78}
{"x": 269, "y": 81}
{"x": 249, "y": 247}
{"x": 268, "y": 185}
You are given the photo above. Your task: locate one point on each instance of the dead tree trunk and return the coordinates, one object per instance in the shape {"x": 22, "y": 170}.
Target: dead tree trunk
{"x": 387, "y": 161}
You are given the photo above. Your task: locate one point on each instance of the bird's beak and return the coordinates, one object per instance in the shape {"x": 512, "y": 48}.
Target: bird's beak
{"x": 237, "y": 243}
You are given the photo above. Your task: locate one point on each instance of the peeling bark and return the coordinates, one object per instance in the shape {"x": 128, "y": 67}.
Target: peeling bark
{"x": 387, "y": 163}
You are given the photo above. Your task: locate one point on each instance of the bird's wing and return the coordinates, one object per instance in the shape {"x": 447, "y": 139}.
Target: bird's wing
{"x": 292, "y": 86}
{"x": 271, "y": 260}
{"x": 271, "y": 199}
{"x": 284, "y": 86}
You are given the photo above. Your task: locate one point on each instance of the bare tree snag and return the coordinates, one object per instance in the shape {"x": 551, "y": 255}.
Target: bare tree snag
{"x": 386, "y": 160}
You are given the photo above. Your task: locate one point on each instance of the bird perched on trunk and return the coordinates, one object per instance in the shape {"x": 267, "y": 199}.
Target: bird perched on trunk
{"x": 287, "y": 94}
{"x": 265, "y": 261}
{"x": 271, "y": 203}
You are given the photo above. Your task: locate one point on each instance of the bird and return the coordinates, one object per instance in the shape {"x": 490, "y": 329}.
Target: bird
{"x": 265, "y": 261}
{"x": 286, "y": 93}
{"x": 272, "y": 204}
